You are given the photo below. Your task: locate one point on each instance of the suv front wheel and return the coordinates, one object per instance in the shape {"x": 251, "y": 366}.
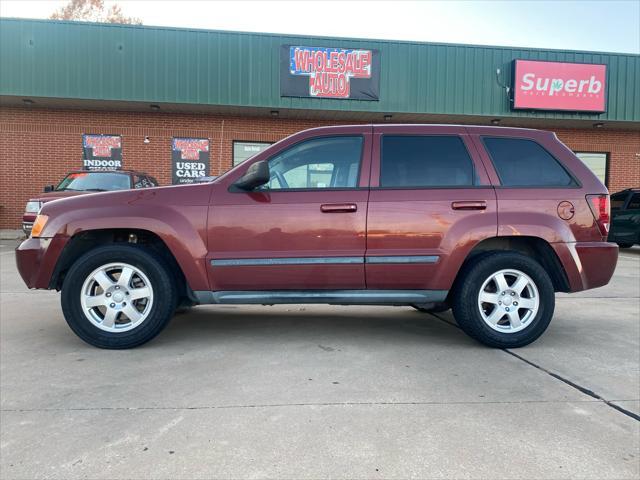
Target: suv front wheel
{"x": 118, "y": 296}
{"x": 504, "y": 299}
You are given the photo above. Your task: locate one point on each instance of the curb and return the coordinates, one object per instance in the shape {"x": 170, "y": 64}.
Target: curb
{"x": 11, "y": 234}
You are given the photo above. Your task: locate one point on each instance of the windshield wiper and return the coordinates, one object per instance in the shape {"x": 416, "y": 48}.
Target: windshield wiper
{"x": 95, "y": 190}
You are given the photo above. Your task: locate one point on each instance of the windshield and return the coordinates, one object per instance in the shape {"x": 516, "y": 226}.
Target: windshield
{"x": 94, "y": 182}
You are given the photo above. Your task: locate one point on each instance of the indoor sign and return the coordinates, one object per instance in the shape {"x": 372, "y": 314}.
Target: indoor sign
{"x": 101, "y": 152}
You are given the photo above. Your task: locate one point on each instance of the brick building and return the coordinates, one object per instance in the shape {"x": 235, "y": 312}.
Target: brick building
{"x": 61, "y": 81}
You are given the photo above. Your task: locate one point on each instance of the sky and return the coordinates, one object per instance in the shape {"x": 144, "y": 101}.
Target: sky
{"x": 603, "y": 25}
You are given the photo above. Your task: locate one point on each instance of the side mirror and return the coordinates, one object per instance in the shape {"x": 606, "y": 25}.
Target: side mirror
{"x": 49, "y": 188}
{"x": 257, "y": 175}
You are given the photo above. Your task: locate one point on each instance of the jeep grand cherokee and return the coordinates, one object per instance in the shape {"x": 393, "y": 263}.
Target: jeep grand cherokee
{"x": 490, "y": 221}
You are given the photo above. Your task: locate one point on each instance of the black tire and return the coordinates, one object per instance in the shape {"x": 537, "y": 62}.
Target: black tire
{"x": 467, "y": 289}
{"x": 625, "y": 245}
{"x": 159, "y": 275}
{"x": 436, "y": 308}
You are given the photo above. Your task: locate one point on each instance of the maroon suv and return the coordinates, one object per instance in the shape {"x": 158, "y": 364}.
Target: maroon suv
{"x": 489, "y": 221}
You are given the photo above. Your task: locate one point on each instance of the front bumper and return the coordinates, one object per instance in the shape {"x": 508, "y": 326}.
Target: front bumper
{"x": 27, "y": 222}
{"x": 587, "y": 264}
{"x": 36, "y": 259}
{"x": 26, "y": 228}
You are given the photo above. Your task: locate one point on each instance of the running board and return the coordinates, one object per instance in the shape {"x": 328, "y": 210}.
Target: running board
{"x": 332, "y": 297}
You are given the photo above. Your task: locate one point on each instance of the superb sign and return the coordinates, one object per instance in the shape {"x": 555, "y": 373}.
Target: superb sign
{"x": 578, "y": 87}
{"x": 329, "y": 72}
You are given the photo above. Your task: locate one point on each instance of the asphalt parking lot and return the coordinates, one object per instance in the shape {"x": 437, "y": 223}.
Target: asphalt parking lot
{"x": 322, "y": 392}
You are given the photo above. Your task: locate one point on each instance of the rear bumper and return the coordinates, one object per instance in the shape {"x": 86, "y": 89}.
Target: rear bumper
{"x": 587, "y": 264}
{"x": 36, "y": 259}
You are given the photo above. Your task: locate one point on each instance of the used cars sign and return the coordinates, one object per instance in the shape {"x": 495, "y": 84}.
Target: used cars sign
{"x": 578, "y": 87}
{"x": 190, "y": 159}
{"x": 329, "y": 72}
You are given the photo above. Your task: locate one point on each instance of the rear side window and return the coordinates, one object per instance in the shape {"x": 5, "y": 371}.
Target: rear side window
{"x": 524, "y": 163}
{"x": 634, "y": 203}
{"x": 617, "y": 200}
{"x": 140, "y": 181}
{"x": 425, "y": 161}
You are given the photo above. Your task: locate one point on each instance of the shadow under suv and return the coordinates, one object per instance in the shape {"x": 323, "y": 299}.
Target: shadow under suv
{"x": 490, "y": 221}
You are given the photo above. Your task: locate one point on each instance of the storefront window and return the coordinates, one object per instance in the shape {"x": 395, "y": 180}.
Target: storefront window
{"x": 244, "y": 150}
{"x": 597, "y": 162}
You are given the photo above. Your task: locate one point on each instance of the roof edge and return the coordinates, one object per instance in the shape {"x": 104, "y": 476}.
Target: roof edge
{"x": 319, "y": 37}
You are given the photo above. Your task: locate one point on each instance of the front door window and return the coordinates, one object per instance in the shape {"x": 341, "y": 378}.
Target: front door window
{"x": 329, "y": 162}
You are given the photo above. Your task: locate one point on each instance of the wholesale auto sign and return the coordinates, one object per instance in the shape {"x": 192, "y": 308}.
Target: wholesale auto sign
{"x": 577, "y": 87}
{"x": 101, "y": 152}
{"x": 190, "y": 159}
{"x": 321, "y": 72}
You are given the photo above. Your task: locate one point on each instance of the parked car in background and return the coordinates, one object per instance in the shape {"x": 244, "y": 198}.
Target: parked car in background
{"x": 490, "y": 221}
{"x": 625, "y": 218}
{"x": 82, "y": 182}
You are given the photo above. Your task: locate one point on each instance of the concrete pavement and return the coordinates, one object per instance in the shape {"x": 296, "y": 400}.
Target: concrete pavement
{"x": 322, "y": 392}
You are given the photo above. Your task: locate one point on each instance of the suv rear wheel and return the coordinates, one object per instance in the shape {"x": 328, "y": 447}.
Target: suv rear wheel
{"x": 118, "y": 296}
{"x": 504, "y": 299}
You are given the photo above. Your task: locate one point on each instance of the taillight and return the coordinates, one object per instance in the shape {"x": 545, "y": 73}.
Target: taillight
{"x": 600, "y": 208}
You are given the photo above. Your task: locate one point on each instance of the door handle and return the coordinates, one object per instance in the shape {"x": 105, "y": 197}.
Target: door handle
{"x": 338, "y": 208}
{"x": 482, "y": 205}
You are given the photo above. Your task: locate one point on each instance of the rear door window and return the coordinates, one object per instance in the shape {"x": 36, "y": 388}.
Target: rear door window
{"x": 524, "y": 163}
{"x": 413, "y": 161}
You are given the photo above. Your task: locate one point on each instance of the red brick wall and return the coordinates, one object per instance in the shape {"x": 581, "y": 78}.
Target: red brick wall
{"x": 622, "y": 146}
{"x": 39, "y": 146}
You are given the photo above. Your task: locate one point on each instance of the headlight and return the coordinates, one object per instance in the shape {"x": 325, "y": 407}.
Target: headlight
{"x": 38, "y": 225}
{"x": 33, "y": 207}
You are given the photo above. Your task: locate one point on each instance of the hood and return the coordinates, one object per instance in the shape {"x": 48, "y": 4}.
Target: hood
{"x": 48, "y": 196}
{"x": 101, "y": 203}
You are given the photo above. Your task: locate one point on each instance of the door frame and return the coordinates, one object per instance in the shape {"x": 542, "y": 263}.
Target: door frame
{"x": 345, "y": 248}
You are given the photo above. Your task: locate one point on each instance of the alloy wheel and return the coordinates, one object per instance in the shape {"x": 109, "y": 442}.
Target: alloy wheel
{"x": 116, "y": 297}
{"x": 508, "y": 301}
